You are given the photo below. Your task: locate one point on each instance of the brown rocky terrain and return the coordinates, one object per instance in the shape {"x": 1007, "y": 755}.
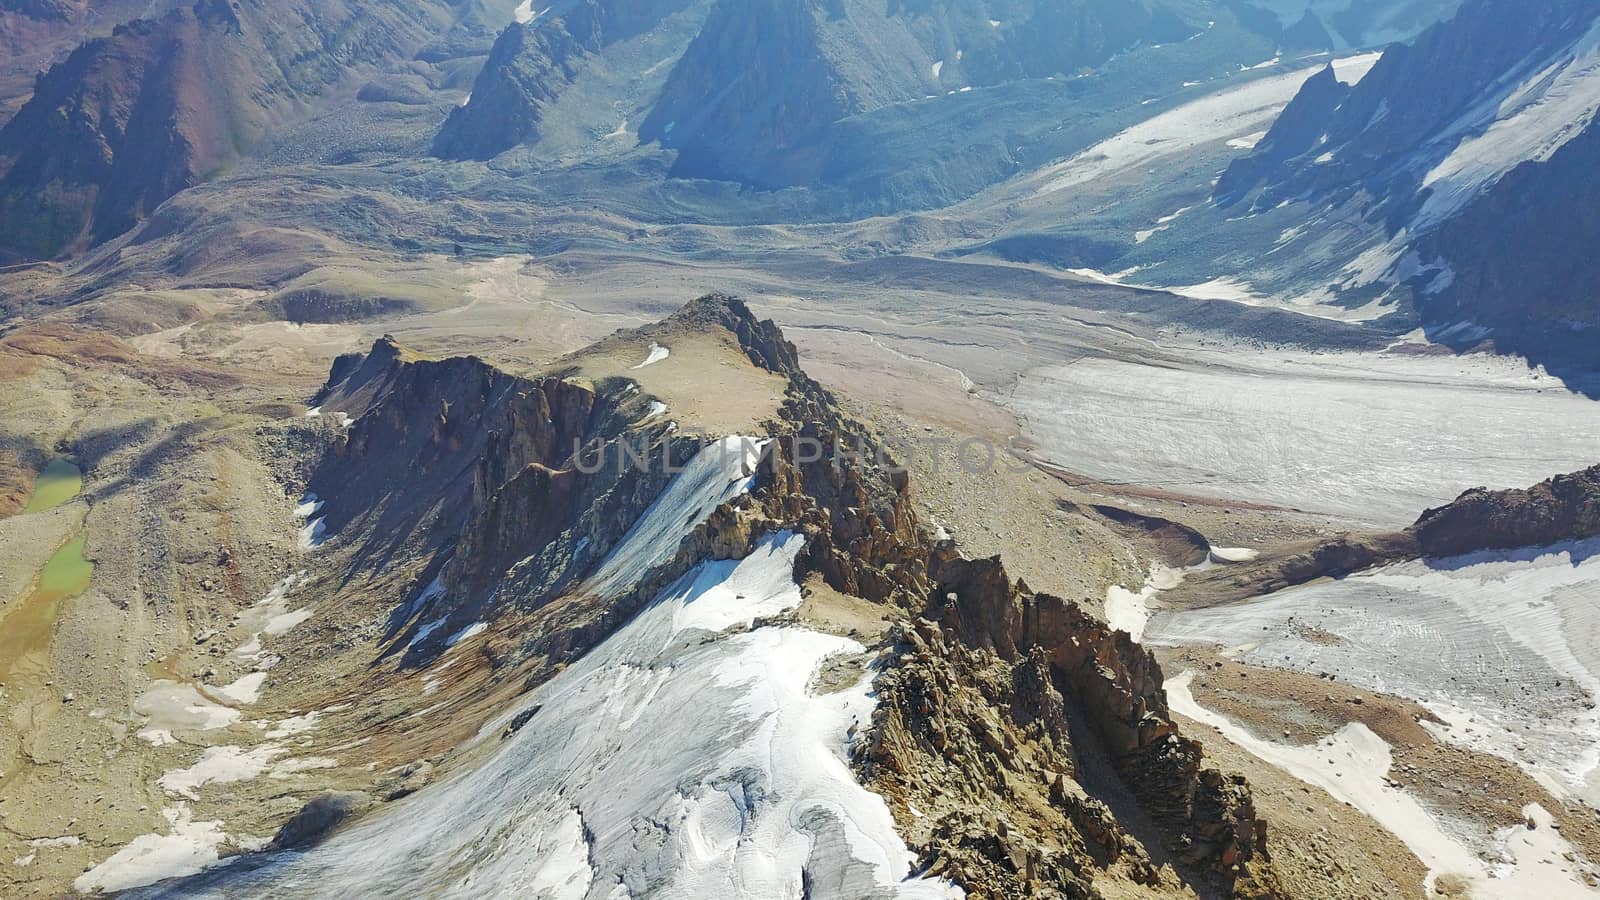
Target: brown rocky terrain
{"x": 1564, "y": 508}
{"x": 1024, "y": 748}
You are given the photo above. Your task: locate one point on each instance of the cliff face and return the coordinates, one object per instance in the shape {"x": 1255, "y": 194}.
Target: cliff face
{"x": 1384, "y": 135}
{"x": 530, "y": 65}
{"x": 119, "y": 126}
{"x": 128, "y": 120}
{"x": 1522, "y": 261}
{"x": 36, "y": 33}
{"x": 489, "y": 474}
{"x": 1089, "y": 706}
{"x": 1470, "y": 156}
{"x": 758, "y": 95}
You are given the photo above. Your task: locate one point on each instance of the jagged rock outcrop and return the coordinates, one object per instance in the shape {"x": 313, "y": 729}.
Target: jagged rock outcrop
{"x": 1564, "y": 508}
{"x": 980, "y": 753}
{"x": 495, "y": 491}
{"x": 36, "y": 33}
{"x": 1003, "y": 703}
{"x": 1115, "y": 686}
{"x": 319, "y": 818}
{"x": 1298, "y": 130}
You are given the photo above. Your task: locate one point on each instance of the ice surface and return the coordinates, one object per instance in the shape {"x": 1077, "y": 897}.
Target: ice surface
{"x": 1374, "y": 438}
{"x": 727, "y": 593}
{"x": 188, "y": 848}
{"x": 1226, "y": 114}
{"x": 719, "y": 472}
{"x": 657, "y": 354}
{"x": 666, "y": 762}
{"x": 1513, "y": 661}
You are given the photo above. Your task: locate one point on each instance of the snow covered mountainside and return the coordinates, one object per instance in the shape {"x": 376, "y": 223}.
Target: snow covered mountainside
{"x": 755, "y": 673}
{"x": 1445, "y": 183}
{"x": 804, "y": 96}
{"x": 1451, "y": 180}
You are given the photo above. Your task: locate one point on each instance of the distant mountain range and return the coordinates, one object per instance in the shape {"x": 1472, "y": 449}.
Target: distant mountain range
{"x": 1450, "y": 184}
{"x": 868, "y": 107}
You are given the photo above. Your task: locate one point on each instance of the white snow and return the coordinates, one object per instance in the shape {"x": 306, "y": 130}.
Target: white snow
{"x": 291, "y": 767}
{"x": 312, "y": 534}
{"x": 1513, "y": 649}
{"x": 719, "y": 472}
{"x": 271, "y": 616}
{"x": 1312, "y": 431}
{"x": 1536, "y": 860}
{"x": 425, "y": 630}
{"x": 1229, "y": 113}
{"x": 524, "y": 14}
{"x": 473, "y": 630}
{"x": 189, "y": 847}
{"x": 656, "y": 408}
{"x": 1129, "y": 611}
{"x": 1530, "y": 121}
{"x": 657, "y": 354}
{"x": 727, "y": 594}
{"x": 314, "y": 412}
{"x": 245, "y": 690}
{"x": 562, "y": 872}
{"x": 937, "y": 68}
{"x": 284, "y": 622}
{"x": 219, "y": 765}
{"x": 169, "y": 706}
{"x": 1231, "y": 289}
{"x": 1248, "y": 142}
{"x": 312, "y": 531}
{"x": 1351, "y": 766}
{"x": 294, "y": 725}
{"x": 668, "y": 762}
{"x": 1233, "y": 554}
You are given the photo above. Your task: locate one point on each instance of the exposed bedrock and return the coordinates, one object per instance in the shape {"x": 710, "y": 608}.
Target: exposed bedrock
{"x": 998, "y": 696}
{"x": 1564, "y": 508}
